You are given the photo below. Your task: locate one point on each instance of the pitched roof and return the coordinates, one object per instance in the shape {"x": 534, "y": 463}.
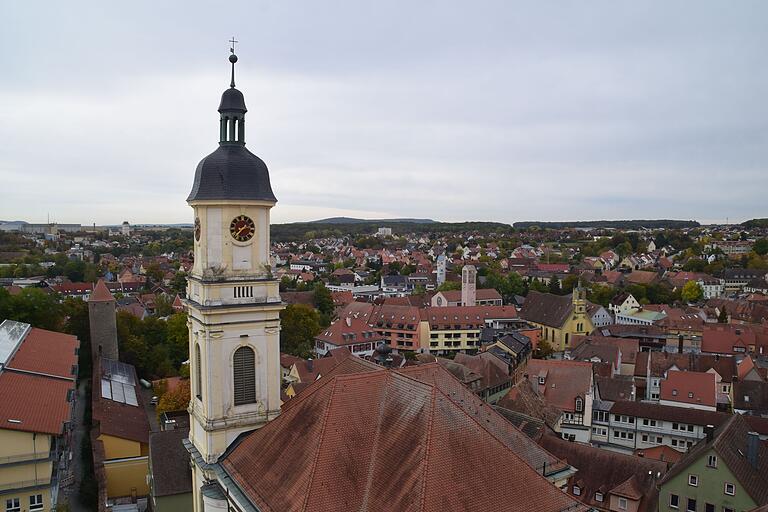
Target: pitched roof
{"x": 101, "y": 293}
{"x": 547, "y": 308}
{"x": 614, "y": 389}
{"x": 629, "y": 347}
{"x": 751, "y": 395}
{"x": 606, "y": 471}
{"x": 115, "y": 418}
{"x": 32, "y": 403}
{"x": 171, "y": 473}
{"x": 384, "y": 441}
{"x": 669, "y": 413}
{"x": 564, "y": 381}
{"x": 694, "y": 388}
{"x": 480, "y": 294}
{"x": 730, "y": 443}
{"x": 523, "y": 399}
{"x": 48, "y": 352}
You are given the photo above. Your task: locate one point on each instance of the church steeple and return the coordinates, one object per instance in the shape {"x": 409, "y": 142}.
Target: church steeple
{"x": 232, "y": 109}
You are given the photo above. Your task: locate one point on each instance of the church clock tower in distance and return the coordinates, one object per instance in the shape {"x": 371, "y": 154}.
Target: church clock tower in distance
{"x": 233, "y": 301}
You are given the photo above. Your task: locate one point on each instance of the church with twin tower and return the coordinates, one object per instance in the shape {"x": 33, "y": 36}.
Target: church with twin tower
{"x": 233, "y": 300}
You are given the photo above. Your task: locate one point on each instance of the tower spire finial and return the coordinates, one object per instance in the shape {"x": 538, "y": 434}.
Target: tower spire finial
{"x": 232, "y": 59}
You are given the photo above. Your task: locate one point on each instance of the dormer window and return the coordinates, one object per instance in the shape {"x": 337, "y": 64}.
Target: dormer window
{"x": 579, "y": 404}
{"x": 576, "y": 490}
{"x": 541, "y": 380}
{"x": 599, "y": 496}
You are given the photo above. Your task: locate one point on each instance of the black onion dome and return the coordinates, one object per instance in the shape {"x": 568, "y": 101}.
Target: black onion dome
{"x": 232, "y": 172}
{"x": 232, "y": 100}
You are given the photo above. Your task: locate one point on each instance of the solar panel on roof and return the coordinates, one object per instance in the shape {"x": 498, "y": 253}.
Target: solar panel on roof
{"x": 12, "y": 333}
{"x": 117, "y": 392}
{"x": 130, "y": 395}
{"x": 106, "y": 389}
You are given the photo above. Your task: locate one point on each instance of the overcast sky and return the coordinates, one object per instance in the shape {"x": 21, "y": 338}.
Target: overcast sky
{"x": 485, "y": 110}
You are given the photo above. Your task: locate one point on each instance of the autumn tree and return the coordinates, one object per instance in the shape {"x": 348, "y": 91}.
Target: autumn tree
{"x": 175, "y": 400}
{"x": 692, "y": 292}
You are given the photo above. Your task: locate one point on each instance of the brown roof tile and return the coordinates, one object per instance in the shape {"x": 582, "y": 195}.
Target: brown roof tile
{"x": 384, "y": 441}
{"x": 32, "y": 403}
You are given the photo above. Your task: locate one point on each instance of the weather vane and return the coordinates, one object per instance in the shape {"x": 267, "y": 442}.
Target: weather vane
{"x": 233, "y": 41}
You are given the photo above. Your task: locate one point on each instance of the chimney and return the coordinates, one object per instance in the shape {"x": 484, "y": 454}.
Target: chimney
{"x": 680, "y": 344}
{"x": 709, "y": 430}
{"x": 310, "y": 365}
{"x": 753, "y": 447}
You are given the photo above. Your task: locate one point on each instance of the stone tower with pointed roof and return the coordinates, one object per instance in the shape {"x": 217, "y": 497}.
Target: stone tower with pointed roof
{"x": 233, "y": 300}
{"x": 101, "y": 316}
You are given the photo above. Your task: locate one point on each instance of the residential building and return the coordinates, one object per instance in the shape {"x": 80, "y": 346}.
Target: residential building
{"x": 459, "y": 328}
{"x": 599, "y": 316}
{"x": 635, "y": 426}
{"x": 623, "y": 303}
{"x": 606, "y": 480}
{"x": 352, "y": 330}
{"x": 568, "y": 386}
{"x": 38, "y": 369}
{"x": 727, "y": 471}
{"x": 559, "y": 317}
{"x": 121, "y": 432}
{"x": 689, "y": 389}
{"x": 171, "y": 476}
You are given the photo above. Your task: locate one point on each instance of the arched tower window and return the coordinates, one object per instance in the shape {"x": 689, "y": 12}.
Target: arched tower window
{"x": 198, "y": 373}
{"x": 244, "y": 374}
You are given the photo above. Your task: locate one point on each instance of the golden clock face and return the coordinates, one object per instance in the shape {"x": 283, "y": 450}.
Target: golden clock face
{"x": 197, "y": 229}
{"x": 242, "y": 228}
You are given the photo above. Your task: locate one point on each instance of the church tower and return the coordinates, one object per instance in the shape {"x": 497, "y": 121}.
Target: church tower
{"x": 233, "y": 300}
{"x": 468, "y": 285}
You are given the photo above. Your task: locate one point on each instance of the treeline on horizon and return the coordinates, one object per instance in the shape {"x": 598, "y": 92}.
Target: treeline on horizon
{"x": 309, "y": 230}
{"x": 617, "y": 224}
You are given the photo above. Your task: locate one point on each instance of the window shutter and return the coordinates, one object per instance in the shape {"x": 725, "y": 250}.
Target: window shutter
{"x": 198, "y": 373}
{"x": 244, "y": 376}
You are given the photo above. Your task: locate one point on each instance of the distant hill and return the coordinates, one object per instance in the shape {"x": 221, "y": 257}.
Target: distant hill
{"x": 350, "y": 220}
{"x": 366, "y": 228}
{"x": 616, "y": 224}
{"x": 755, "y": 223}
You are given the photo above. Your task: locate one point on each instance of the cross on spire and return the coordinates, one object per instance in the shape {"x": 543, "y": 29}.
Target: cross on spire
{"x": 232, "y": 59}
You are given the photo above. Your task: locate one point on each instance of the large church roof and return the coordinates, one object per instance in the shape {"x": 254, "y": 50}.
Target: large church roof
{"x": 382, "y": 440}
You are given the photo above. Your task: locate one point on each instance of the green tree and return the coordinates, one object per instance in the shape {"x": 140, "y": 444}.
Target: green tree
{"x": 163, "y": 305}
{"x": 537, "y": 285}
{"x": 179, "y": 283}
{"x": 177, "y": 338}
{"x": 569, "y": 283}
{"x": 722, "y": 318}
{"x": 692, "y": 292}
{"x": 299, "y": 324}
{"x": 154, "y": 273}
{"x": 554, "y": 286}
{"x": 35, "y": 307}
{"x": 761, "y": 246}
{"x": 448, "y": 286}
{"x": 323, "y": 301}
{"x": 544, "y": 350}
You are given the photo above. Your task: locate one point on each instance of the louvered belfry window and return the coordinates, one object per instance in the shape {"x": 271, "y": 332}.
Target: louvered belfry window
{"x": 198, "y": 373}
{"x": 245, "y": 376}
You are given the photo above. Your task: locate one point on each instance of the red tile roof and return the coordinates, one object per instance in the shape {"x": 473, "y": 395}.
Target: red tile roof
{"x": 33, "y": 403}
{"x": 383, "y": 441}
{"x": 480, "y": 294}
{"x": 564, "y": 381}
{"x": 101, "y": 293}
{"x": 694, "y": 388}
{"x": 48, "y": 352}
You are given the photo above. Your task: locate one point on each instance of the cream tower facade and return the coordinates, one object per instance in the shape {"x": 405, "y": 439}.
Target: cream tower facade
{"x": 233, "y": 301}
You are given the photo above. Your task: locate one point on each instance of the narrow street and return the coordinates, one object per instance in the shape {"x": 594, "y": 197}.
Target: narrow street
{"x": 70, "y": 493}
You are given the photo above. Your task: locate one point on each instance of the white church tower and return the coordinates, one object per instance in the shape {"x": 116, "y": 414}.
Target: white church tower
{"x": 233, "y": 301}
{"x": 468, "y": 285}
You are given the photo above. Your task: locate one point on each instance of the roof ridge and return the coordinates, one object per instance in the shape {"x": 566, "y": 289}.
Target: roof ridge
{"x": 427, "y": 451}
{"x": 316, "y": 457}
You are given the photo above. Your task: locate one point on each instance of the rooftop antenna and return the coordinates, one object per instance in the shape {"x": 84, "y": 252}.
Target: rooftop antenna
{"x": 233, "y": 59}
